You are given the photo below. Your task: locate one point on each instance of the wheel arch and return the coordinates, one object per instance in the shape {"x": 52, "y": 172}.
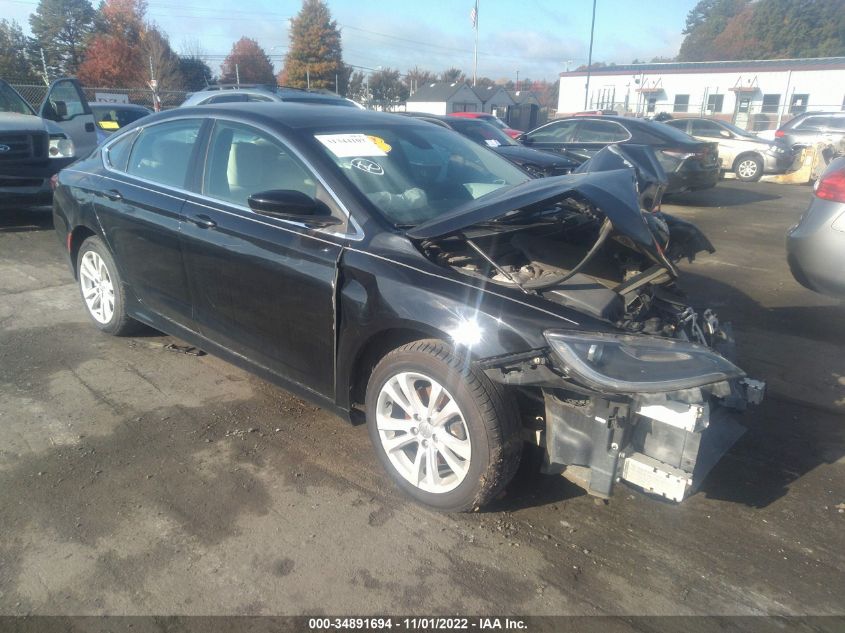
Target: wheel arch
{"x": 76, "y": 237}
{"x": 372, "y": 350}
{"x": 748, "y": 154}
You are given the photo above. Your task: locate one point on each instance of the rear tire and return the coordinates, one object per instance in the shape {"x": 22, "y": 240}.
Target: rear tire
{"x": 749, "y": 168}
{"x": 102, "y": 289}
{"x": 446, "y": 434}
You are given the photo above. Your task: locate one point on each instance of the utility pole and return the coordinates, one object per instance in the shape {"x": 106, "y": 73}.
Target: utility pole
{"x": 590, "y": 57}
{"x": 475, "y": 50}
{"x": 517, "y": 80}
{"x": 308, "y": 76}
{"x": 44, "y": 66}
{"x": 237, "y": 76}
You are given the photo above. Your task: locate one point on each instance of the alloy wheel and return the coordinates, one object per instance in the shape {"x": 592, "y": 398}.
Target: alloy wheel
{"x": 423, "y": 432}
{"x": 97, "y": 287}
{"x": 747, "y": 168}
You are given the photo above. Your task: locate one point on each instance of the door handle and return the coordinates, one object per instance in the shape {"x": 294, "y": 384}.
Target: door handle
{"x": 89, "y": 127}
{"x": 113, "y": 194}
{"x": 203, "y": 221}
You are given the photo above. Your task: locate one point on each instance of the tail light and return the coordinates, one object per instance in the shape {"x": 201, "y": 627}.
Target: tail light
{"x": 780, "y": 134}
{"x": 832, "y": 186}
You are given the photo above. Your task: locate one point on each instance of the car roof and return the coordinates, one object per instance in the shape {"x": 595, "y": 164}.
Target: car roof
{"x": 97, "y": 105}
{"x": 293, "y": 115}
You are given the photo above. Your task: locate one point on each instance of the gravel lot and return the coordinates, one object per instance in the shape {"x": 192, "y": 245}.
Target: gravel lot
{"x": 137, "y": 480}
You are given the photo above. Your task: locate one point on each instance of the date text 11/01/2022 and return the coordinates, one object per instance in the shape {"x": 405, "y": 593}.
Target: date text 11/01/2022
{"x": 418, "y": 624}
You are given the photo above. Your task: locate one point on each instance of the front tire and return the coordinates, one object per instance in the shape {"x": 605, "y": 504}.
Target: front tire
{"x": 102, "y": 289}
{"x": 749, "y": 168}
{"x": 446, "y": 434}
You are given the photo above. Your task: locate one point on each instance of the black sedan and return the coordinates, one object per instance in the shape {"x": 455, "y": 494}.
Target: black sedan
{"x": 689, "y": 164}
{"x": 533, "y": 161}
{"x": 376, "y": 263}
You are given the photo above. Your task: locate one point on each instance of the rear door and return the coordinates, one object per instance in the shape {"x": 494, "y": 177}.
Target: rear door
{"x": 66, "y": 105}
{"x": 140, "y": 210}
{"x": 591, "y": 135}
{"x": 729, "y": 145}
{"x": 556, "y": 136}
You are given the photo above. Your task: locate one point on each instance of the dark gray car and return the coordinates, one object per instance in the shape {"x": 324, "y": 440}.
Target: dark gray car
{"x": 814, "y": 127}
{"x": 816, "y": 245}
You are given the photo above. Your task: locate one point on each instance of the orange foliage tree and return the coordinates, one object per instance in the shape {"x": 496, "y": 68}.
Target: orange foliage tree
{"x": 249, "y": 62}
{"x": 115, "y": 57}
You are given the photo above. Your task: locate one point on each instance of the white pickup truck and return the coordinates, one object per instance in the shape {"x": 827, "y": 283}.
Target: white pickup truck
{"x": 35, "y": 146}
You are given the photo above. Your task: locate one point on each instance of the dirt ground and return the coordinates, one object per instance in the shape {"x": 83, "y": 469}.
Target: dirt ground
{"x": 138, "y": 480}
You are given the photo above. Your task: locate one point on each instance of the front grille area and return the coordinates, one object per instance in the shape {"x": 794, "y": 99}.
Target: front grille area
{"x": 20, "y": 182}
{"x": 22, "y": 146}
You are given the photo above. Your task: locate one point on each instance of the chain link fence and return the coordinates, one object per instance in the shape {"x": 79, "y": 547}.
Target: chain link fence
{"x": 35, "y": 93}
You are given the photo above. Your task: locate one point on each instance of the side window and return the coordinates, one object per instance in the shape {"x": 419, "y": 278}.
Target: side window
{"x": 243, "y": 160}
{"x": 678, "y": 124}
{"x": 118, "y": 152}
{"x": 706, "y": 128}
{"x": 162, "y": 152}
{"x": 64, "y": 102}
{"x": 258, "y": 98}
{"x": 812, "y": 123}
{"x": 600, "y": 132}
{"x": 561, "y": 132}
{"x": 836, "y": 123}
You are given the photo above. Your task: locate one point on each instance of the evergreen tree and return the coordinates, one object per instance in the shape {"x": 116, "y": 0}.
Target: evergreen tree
{"x": 387, "y": 87}
{"x": 705, "y": 22}
{"x": 315, "y": 56}
{"x": 196, "y": 74}
{"x": 62, "y": 28}
{"x": 14, "y": 65}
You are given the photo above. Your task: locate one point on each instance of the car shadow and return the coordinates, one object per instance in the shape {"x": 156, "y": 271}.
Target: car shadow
{"x": 725, "y": 195}
{"x": 24, "y": 221}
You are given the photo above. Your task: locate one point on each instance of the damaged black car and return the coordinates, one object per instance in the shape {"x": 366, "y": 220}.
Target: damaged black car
{"x": 392, "y": 270}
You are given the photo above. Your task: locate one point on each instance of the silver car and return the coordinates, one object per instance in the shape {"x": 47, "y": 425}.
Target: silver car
{"x": 814, "y": 127}
{"x": 741, "y": 152}
{"x": 815, "y": 247}
{"x": 266, "y": 94}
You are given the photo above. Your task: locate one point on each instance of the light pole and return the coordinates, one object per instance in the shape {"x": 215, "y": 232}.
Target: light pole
{"x": 590, "y": 57}
{"x": 517, "y": 80}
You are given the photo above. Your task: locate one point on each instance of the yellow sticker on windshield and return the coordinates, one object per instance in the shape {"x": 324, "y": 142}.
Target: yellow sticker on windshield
{"x": 380, "y": 143}
{"x": 109, "y": 125}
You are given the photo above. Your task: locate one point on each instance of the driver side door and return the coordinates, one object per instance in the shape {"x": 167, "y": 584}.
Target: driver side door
{"x": 66, "y": 105}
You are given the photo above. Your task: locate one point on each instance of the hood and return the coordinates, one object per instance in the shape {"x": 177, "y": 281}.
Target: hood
{"x": 521, "y": 154}
{"x": 14, "y": 122}
{"x": 612, "y": 192}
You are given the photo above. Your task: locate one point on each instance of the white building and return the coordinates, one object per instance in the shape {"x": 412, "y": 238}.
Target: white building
{"x": 757, "y": 94}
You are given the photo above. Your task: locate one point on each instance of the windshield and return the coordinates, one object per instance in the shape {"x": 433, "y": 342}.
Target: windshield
{"x": 11, "y": 101}
{"x": 737, "y": 130}
{"x": 481, "y": 132}
{"x": 116, "y": 118}
{"x": 415, "y": 173}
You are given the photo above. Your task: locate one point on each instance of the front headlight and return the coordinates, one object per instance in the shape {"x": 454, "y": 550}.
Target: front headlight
{"x": 60, "y": 147}
{"x": 638, "y": 364}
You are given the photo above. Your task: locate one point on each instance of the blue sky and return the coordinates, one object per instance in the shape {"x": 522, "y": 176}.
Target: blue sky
{"x": 535, "y": 37}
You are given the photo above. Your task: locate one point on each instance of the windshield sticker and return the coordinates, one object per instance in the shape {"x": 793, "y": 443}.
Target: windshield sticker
{"x": 491, "y": 142}
{"x": 349, "y": 145}
{"x": 367, "y": 165}
{"x": 380, "y": 143}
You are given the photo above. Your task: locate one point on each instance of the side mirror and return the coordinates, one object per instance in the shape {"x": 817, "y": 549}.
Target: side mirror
{"x": 524, "y": 139}
{"x": 60, "y": 108}
{"x": 725, "y": 134}
{"x": 288, "y": 204}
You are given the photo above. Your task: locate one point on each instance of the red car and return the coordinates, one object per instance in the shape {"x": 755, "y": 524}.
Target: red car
{"x": 492, "y": 120}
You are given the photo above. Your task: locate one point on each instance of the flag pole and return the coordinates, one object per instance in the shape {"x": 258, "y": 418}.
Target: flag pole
{"x": 475, "y": 50}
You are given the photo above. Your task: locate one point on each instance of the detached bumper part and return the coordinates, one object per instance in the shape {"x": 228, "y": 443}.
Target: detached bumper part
{"x": 666, "y": 447}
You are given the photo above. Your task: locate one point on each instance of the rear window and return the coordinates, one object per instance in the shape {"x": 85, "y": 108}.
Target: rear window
{"x": 660, "y": 133}
{"x": 116, "y": 118}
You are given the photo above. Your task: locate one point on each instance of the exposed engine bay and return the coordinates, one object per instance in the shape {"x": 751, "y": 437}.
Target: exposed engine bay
{"x": 647, "y": 400}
